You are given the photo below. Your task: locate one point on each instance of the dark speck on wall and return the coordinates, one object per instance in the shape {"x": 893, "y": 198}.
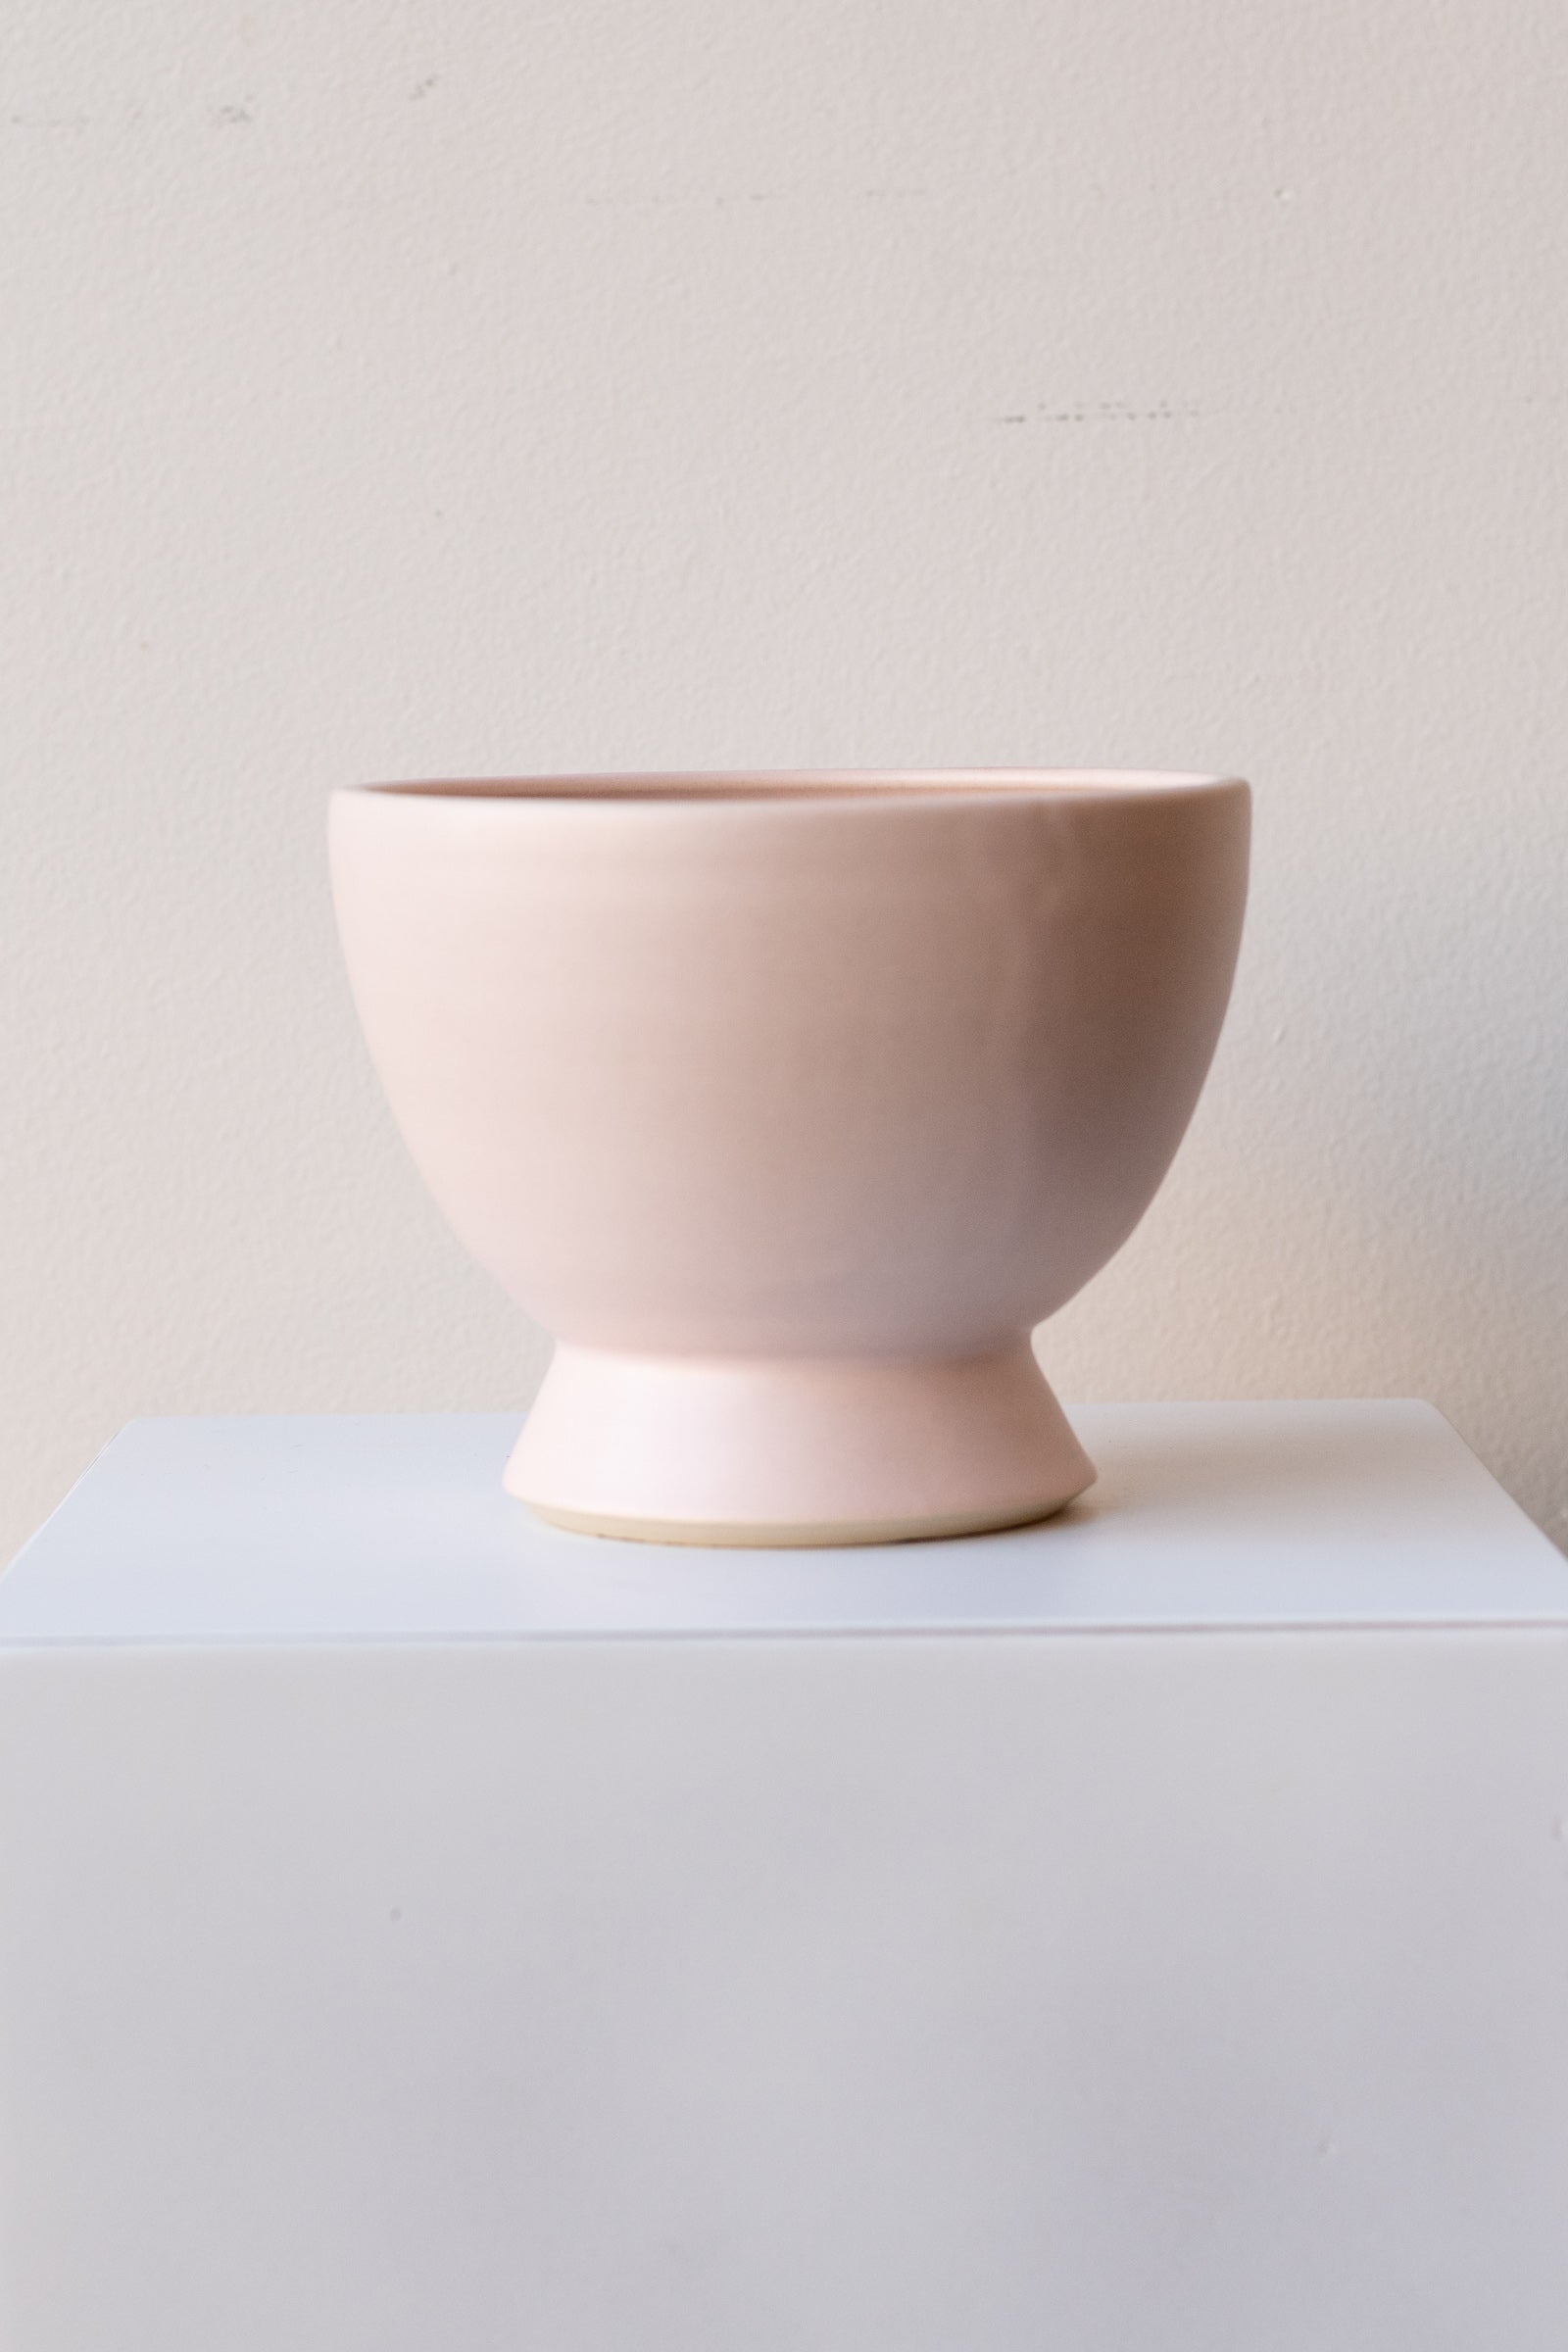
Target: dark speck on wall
{"x": 1102, "y": 412}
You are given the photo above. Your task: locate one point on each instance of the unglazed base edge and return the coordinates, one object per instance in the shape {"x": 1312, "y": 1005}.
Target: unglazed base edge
{"x": 795, "y": 1452}
{"x": 743, "y": 1536}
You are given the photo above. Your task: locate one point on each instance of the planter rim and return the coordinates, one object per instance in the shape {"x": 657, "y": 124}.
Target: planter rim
{"x": 820, "y": 787}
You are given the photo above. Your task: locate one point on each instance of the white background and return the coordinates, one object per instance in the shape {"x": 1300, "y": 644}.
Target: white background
{"x": 396, "y": 390}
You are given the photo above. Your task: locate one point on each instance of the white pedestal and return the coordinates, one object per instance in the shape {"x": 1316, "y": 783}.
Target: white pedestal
{"x": 424, "y": 1931}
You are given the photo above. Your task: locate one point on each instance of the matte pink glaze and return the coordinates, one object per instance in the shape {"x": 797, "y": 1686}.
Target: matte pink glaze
{"x": 790, "y": 1104}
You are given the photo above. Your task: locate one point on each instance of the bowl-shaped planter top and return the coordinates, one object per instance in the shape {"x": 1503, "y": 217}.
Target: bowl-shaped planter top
{"x": 790, "y": 1104}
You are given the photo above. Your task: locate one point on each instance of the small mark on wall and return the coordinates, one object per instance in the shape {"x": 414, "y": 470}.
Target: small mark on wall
{"x": 222, "y": 116}
{"x": 423, "y": 89}
{"x": 1103, "y": 412}
{"x": 724, "y": 198}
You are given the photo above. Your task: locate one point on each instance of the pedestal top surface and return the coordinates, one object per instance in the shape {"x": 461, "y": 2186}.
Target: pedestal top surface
{"x": 394, "y": 1527}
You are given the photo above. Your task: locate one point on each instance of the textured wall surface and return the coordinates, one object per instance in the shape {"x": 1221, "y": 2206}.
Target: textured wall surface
{"x": 395, "y": 390}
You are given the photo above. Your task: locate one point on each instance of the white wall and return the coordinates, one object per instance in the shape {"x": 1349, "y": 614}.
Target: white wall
{"x": 397, "y": 389}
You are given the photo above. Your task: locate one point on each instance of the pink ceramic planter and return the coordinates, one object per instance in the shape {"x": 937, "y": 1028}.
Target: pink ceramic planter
{"x": 789, "y": 1104}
